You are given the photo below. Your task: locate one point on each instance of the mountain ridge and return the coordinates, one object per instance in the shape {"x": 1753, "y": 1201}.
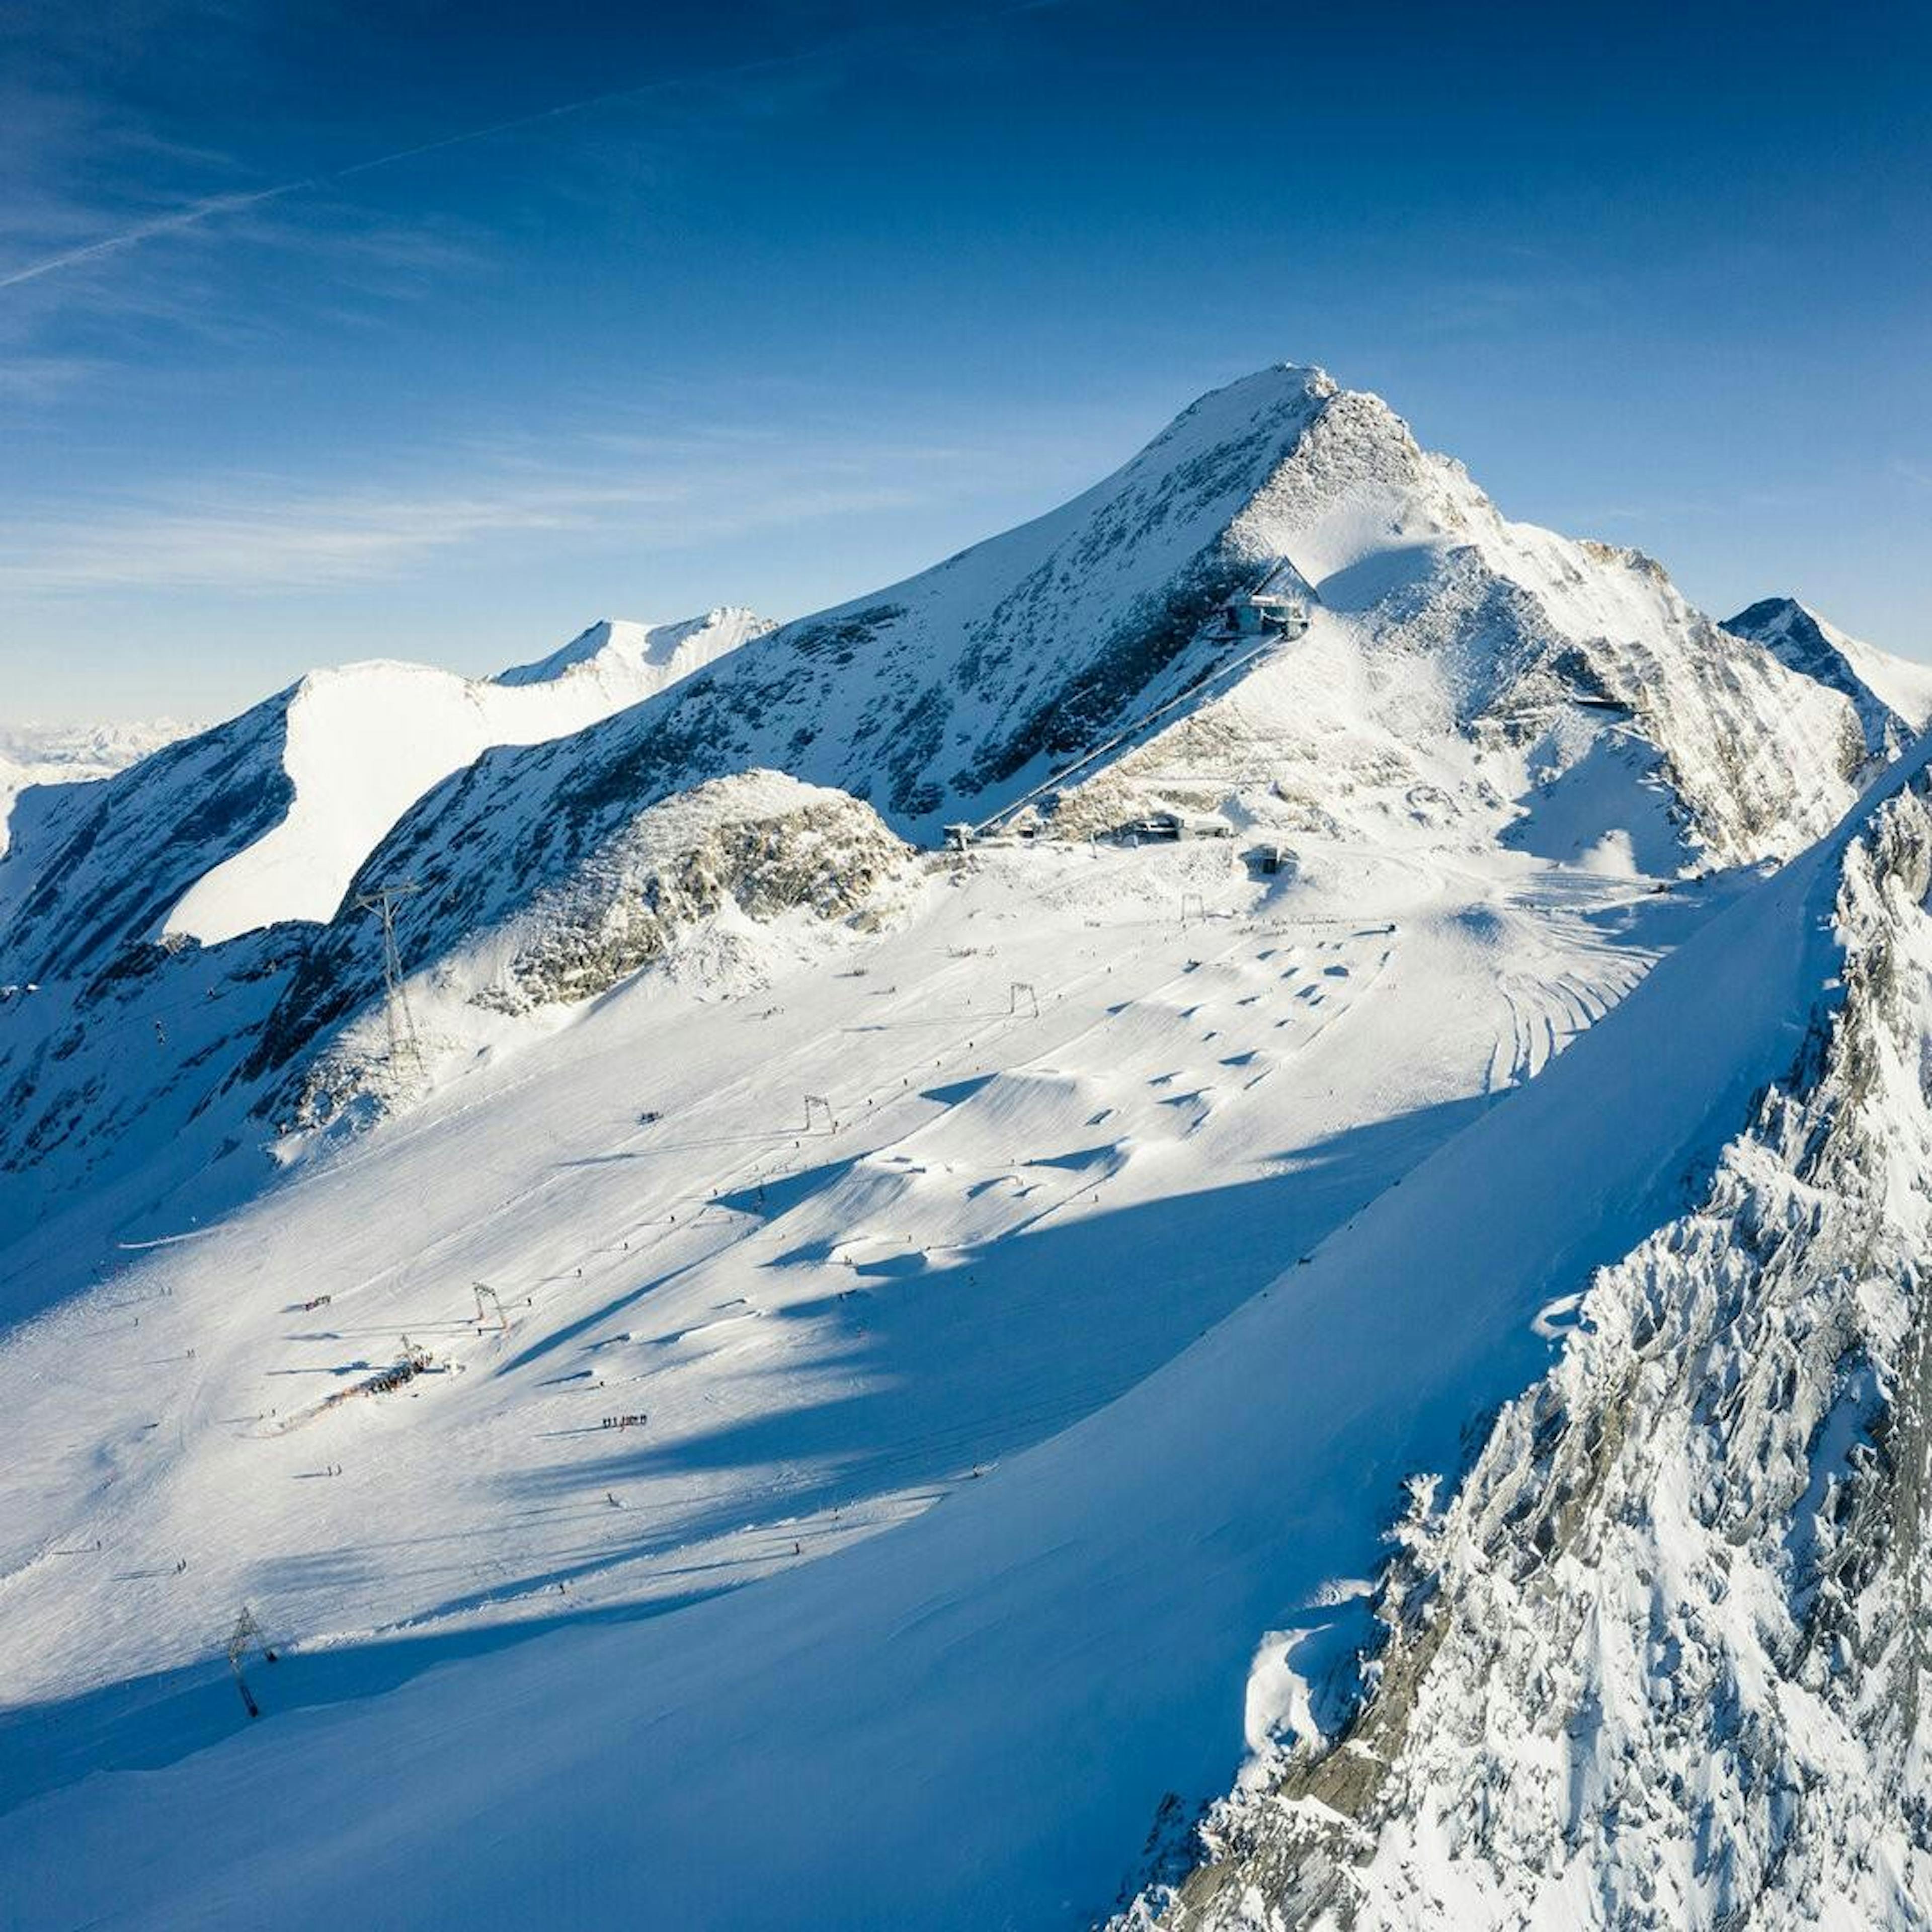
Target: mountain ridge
{"x": 1419, "y": 624}
{"x": 1464, "y": 681}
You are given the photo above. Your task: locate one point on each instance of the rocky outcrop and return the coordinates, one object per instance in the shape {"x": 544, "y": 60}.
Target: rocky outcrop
{"x": 758, "y": 846}
{"x": 1660, "y": 1659}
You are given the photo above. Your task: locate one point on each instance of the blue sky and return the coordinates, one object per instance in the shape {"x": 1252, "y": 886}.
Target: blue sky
{"x": 772, "y": 303}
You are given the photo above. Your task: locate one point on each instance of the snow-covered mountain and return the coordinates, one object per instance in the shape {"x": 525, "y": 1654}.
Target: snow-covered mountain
{"x": 267, "y": 818}
{"x": 1892, "y": 695}
{"x": 155, "y": 917}
{"x": 631, "y": 661}
{"x": 1037, "y": 1538}
{"x": 1463, "y": 678}
{"x": 55, "y": 754}
{"x": 1024, "y": 1345}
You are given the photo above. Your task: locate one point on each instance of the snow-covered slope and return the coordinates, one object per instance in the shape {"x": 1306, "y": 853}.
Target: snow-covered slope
{"x": 1660, "y": 1661}
{"x": 361, "y": 744}
{"x": 156, "y": 915}
{"x": 57, "y": 755}
{"x": 1892, "y": 695}
{"x": 267, "y": 817}
{"x": 992, "y": 1712}
{"x": 1080, "y": 1103}
{"x": 867, "y": 1385}
{"x": 733, "y": 855}
{"x": 631, "y": 661}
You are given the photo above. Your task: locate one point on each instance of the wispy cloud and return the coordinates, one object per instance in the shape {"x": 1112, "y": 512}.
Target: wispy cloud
{"x": 41, "y": 378}
{"x": 195, "y": 213}
{"x": 268, "y": 536}
{"x": 191, "y": 217}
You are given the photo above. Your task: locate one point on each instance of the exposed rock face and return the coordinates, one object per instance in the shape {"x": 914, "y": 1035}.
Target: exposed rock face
{"x": 766, "y": 843}
{"x": 1661, "y": 1660}
{"x": 757, "y": 846}
{"x": 1892, "y": 697}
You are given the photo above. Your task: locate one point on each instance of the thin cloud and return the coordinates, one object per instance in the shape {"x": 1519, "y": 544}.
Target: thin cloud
{"x": 213, "y": 206}
{"x": 190, "y": 216}
{"x": 41, "y": 378}
{"x": 262, "y": 540}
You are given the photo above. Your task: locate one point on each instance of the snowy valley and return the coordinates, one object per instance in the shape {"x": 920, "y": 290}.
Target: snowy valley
{"x": 1049, "y": 1249}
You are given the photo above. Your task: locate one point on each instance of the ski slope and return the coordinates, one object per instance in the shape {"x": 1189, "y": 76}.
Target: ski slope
{"x": 870, "y": 1337}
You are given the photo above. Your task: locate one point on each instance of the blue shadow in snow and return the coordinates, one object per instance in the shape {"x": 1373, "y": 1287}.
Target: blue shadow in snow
{"x": 1014, "y": 1340}
{"x": 1008, "y": 1342}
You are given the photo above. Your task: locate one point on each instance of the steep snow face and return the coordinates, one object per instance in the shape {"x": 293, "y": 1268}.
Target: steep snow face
{"x": 363, "y": 743}
{"x": 1892, "y": 695}
{"x": 1463, "y": 672}
{"x": 1660, "y": 1660}
{"x": 98, "y": 871}
{"x": 265, "y": 818}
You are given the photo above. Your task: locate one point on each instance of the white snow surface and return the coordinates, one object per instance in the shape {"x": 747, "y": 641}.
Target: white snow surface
{"x": 633, "y": 659}
{"x": 364, "y": 742}
{"x": 865, "y": 1356}
{"x": 1659, "y": 1662}
{"x": 1893, "y": 695}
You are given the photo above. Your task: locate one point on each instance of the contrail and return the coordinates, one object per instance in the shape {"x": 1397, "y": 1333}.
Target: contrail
{"x": 112, "y": 245}
{"x": 196, "y": 212}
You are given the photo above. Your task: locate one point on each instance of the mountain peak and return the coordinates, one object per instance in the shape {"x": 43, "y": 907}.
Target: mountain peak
{"x": 616, "y": 642}
{"x": 1892, "y": 696}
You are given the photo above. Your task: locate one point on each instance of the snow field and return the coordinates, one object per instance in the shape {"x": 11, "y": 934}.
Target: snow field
{"x": 1017, "y": 1219}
